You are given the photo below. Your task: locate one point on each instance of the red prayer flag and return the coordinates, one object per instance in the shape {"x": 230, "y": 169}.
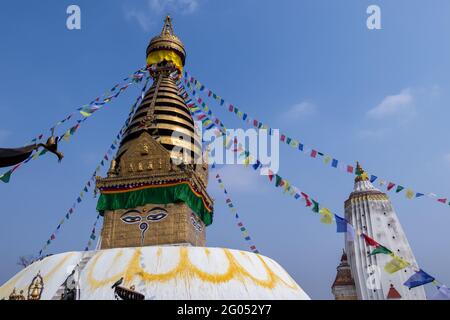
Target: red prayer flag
{"x": 306, "y": 197}
{"x": 370, "y": 241}
{"x": 349, "y": 169}
{"x": 443, "y": 200}
{"x": 313, "y": 153}
{"x": 209, "y": 93}
{"x": 231, "y": 108}
{"x": 283, "y": 137}
{"x": 390, "y": 186}
{"x": 270, "y": 175}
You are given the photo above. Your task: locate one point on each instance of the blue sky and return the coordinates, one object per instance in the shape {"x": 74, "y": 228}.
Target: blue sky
{"x": 310, "y": 68}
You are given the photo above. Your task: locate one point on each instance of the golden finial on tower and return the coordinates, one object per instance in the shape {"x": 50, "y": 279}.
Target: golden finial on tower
{"x": 167, "y": 28}
{"x": 166, "y": 47}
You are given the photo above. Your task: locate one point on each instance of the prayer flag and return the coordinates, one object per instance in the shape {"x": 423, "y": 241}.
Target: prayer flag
{"x": 373, "y": 178}
{"x": 6, "y": 176}
{"x": 349, "y": 169}
{"x": 399, "y": 188}
{"x": 327, "y": 217}
{"x": 341, "y": 224}
{"x": 334, "y": 163}
{"x": 420, "y": 278}
{"x": 390, "y": 186}
{"x": 443, "y": 293}
{"x": 306, "y": 197}
{"x": 316, "y": 206}
{"x": 380, "y": 249}
{"x": 395, "y": 264}
{"x": 350, "y": 235}
{"x": 409, "y": 194}
{"x": 277, "y": 180}
{"x": 370, "y": 241}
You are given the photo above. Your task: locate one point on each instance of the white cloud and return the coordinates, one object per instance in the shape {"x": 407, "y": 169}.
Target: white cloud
{"x": 148, "y": 16}
{"x": 299, "y": 111}
{"x": 180, "y": 6}
{"x": 398, "y": 104}
{"x": 4, "y": 134}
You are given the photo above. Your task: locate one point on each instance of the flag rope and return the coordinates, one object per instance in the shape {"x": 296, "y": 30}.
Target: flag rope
{"x": 309, "y": 151}
{"x": 236, "y": 215}
{"x": 102, "y": 163}
{"x": 326, "y": 216}
{"x": 86, "y": 111}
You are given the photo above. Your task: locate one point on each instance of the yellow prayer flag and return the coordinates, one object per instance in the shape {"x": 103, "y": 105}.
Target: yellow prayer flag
{"x": 66, "y": 136}
{"x": 327, "y": 216}
{"x": 287, "y": 185}
{"x": 326, "y": 159}
{"x": 395, "y": 264}
{"x": 364, "y": 176}
{"x": 85, "y": 114}
{"x": 409, "y": 194}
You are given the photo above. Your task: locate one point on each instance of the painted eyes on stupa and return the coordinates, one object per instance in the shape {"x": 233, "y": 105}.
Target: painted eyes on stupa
{"x": 131, "y": 219}
{"x": 153, "y": 215}
{"x": 156, "y": 214}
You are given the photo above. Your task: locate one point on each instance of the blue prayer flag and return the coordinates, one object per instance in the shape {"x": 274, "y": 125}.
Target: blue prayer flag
{"x": 418, "y": 279}
{"x": 341, "y": 224}
{"x": 334, "y": 163}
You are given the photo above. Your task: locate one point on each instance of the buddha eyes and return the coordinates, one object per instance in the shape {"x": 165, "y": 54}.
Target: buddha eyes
{"x": 156, "y": 216}
{"x": 131, "y": 219}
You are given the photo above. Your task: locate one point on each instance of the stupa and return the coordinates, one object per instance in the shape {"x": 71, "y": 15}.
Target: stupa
{"x": 370, "y": 210}
{"x": 156, "y": 209}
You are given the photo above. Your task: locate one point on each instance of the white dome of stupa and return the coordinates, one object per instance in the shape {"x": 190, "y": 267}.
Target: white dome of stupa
{"x": 159, "y": 273}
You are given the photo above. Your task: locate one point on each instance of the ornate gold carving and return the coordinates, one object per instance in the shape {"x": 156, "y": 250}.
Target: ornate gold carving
{"x": 15, "y": 296}
{"x": 36, "y": 287}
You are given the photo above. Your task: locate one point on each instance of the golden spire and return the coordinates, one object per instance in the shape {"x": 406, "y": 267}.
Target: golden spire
{"x": 166, "y": 46}
{"x": 361, "y": 174}
{"x": 167, "y": 28}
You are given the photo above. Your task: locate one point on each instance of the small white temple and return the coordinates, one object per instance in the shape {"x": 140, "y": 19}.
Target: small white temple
{"x": 370, "y": 210}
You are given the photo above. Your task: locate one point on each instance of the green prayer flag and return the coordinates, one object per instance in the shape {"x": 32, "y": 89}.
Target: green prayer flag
{"x": 380, "y": 249}
{"x": 6, "y": 176}
{"x": 316, "y": 206}
{"x": 399, "y": 188}
{"x": 277, "y": 181}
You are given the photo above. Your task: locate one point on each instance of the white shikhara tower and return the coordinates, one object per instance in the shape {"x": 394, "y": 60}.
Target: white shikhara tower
{"x": 370, "y": 211}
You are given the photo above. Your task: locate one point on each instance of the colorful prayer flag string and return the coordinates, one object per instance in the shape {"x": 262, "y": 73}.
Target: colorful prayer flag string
{"x": 343, "y": 226}
{"x": 233, "y": 210}
{"x": 195, "y": 87}
{"x": 92, "y": 236}
{"x": 91, "y": 181}
{"x": 86, "y": 111}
